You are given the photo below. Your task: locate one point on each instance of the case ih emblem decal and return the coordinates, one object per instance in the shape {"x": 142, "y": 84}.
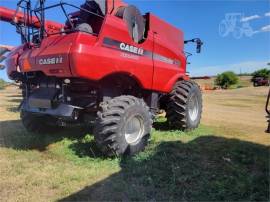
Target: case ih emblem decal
{"x": 131, "y": 49}
{"x": 118, "y": 45}
{"x": 51, "y": 61}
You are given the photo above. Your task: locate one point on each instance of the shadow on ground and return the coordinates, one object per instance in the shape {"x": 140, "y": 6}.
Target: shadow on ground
{"x": 161, "y": 126}
{"x": 206, "y": 169}
{"x": 14, "y": 135}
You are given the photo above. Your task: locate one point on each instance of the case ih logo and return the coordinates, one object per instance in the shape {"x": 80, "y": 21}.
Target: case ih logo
{"x": 131, "y": 49}
{"x": 51, "y": 61}
{"x": 118, "y": 45}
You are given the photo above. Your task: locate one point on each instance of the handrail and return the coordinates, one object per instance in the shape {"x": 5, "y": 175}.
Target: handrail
{"x": 267, "y": 103}
{"x": 61, "y": 5}
{"x": 68, "y": 4}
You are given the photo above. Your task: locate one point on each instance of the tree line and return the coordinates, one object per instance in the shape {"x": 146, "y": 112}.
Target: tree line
{"x": 227, "y": 79}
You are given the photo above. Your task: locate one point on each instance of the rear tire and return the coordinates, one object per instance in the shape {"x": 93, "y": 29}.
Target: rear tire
{"x": 123, "y": 126}
{"x": 38, "y": 123}
{"x": 184, "y": 106}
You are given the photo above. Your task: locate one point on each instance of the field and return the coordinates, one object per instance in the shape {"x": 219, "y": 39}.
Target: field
{"x": 244, "y": 81}
{"x": 227, "y": 158}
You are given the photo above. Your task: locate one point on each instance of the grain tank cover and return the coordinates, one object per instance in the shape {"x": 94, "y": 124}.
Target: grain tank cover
{"x": 169, "y": 34}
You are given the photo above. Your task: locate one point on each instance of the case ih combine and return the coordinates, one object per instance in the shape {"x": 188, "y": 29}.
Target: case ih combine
{"x": 107, "y": 65}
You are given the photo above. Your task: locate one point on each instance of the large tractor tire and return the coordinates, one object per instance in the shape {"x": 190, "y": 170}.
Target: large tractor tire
{"x": 184, "y": 106}
{"x": 39, "y": 124}
{"x": 123, "y": 126}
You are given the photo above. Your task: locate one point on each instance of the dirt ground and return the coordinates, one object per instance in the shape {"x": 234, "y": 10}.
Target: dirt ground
{"x": 239, "y": 112}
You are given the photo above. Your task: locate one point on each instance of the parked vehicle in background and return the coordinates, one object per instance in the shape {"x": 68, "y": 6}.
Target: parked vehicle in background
{"x": 260, "y": 81}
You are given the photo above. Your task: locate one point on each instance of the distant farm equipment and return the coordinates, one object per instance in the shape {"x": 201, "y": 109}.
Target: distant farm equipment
{"x": 204, "y": 84}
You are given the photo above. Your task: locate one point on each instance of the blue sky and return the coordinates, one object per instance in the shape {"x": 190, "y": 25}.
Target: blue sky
{"x": 199, "y": 19}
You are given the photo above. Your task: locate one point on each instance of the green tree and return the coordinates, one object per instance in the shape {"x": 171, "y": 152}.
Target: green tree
{"x": 265, "y": 73}
{"x": 226, "y": 79}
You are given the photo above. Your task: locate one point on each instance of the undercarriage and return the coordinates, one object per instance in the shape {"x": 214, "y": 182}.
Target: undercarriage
{"x": 75, "y": 100}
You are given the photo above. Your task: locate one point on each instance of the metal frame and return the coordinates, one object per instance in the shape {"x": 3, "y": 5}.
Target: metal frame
{"x": 267, "y": 104}
{"x": 25, "y": 33}
{"x": 62, "y": 4}
{"x": 268, "y": 112}
{"x": 39, "y": 12}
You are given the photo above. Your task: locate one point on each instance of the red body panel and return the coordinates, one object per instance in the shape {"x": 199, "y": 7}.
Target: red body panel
{"x": 112, "y": 6}
{"x": 54, "y": 46}
{"x": 87, "y": 56}
{"x": 12, "y": 60}
{"x": 96, "y": 61}
{"x": 169, "y": 42}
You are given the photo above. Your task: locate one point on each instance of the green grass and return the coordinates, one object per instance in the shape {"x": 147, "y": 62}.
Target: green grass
{"x": 197, "y": 165}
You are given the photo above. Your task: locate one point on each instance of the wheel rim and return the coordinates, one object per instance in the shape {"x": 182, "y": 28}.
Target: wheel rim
{"x": 134, "y": 129}
{"x": 193, "y": 107}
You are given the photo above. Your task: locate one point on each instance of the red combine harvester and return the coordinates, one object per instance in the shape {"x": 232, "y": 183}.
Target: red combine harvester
{"x": 107, "y": 65}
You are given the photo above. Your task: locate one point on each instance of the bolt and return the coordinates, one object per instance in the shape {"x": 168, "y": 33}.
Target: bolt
{"x": 67, "y": 81}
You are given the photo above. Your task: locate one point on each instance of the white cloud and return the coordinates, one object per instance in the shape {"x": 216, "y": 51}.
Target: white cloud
{"x": 249, "y": 18}
{"x": 267, "y": 14}
{"x": 266, "y": 28}
{"x": 244, "y": 67}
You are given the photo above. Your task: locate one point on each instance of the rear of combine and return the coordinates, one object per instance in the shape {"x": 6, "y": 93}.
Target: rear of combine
{"x": 107, "y": 65}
